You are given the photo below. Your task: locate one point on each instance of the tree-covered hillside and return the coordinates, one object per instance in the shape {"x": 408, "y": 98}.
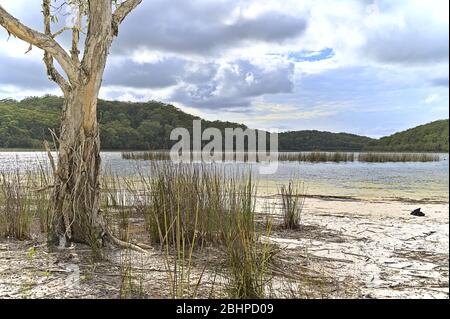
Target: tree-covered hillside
{"x": 137, "y": 126}
{"x": 22, "y": 127}
{"x": 146, "y": 126}
{"x": 431, "y": 137}
{"x": 321, "y": 141}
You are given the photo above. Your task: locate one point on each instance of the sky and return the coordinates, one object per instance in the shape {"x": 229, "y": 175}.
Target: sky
{"x": 368, "y": 67}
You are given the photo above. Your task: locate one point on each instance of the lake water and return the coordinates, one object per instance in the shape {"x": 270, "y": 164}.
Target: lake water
{"x": 415, "y": 181}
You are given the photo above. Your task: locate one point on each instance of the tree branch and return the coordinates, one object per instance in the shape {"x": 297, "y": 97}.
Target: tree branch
{"x": 76, "y": 37}
{"x": 54, "y": 35}
{"x": 121, "y": 13}
{"x": 99, "y": 37}
{"x": 52, "y": 73}
{"x": 40, "y": 40}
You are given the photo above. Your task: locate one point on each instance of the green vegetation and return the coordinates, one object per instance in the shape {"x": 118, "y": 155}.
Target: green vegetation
{"x": 292, "y": 203}
{"x": 15, "y": 212}
{"x": 310, "y": 157}
{"x": 147, "y": 126}
{"x": 187, "y": 209}
{"x": 317, "y": 157}
{"x": 204, "y": 256}
{"x": 148, "y": 156}
{"x": 123, "y": 125}
{"x": 431, "y": 137}
{"x": 199, "y": 200}
{"x": 26, "y": 127}
{"x": 397, "y": 157}
{"x": 321, "y": 141}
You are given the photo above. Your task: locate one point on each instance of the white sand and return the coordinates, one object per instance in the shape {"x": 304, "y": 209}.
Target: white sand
{"x": 379, "y": 246}
{"x": 369, "y": 249}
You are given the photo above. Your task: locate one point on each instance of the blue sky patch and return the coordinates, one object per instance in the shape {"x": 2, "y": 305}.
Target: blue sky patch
{"x": 311, "y": 56}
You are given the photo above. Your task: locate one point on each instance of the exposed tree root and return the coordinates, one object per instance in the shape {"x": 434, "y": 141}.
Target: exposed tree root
{"x": 125, "y": 245}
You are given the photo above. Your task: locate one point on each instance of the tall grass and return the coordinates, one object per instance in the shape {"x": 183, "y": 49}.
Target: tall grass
{"x": 247, "y": 257}
{"x": 180, "y": 270}
{"x": 198, "y": 198}
{"x": 185, "y": 208}
{"x": 397, "y": 157}
{"x": 131, "y": 281}
{"x": 292, "y": 203}
{"x": 41, "y": 191}
{"x": 189, "y": 207}
{"x": 15, "y": 206}
{"x": 116, "y": 201}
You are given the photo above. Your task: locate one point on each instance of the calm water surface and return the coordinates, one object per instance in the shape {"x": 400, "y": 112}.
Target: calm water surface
{"x": 367, "y": 180}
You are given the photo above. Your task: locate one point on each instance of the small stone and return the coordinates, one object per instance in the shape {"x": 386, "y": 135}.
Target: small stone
{"x": 417, "y": 212}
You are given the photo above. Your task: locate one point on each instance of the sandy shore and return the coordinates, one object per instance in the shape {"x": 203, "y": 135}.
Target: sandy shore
{"x": 378, "y": 246}
{"x": 356, "y": 248}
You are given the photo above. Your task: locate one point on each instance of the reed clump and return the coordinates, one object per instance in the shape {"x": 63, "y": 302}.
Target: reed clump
{"x": 179, "y": 267}
{"x": 190, "y": 206}
{"x": 148, "y": 156}
{"x": 252, "y": 157}
{"x": 41, "y": 198}
{"x": 317, "y": 157}
{"x": 131, "y": 279}
{"x": 202, "y": 199}
{"x": 308, "y": 157}
{"x": 397, "y": 157}
{"x": 117, "y": 201}
{"x": 312, "y": 157}
{"x": 15, "y": 207}
{"x": 292, "y": 203}
{"x": 248, "y": 258}
{"x": 174, "y": 195}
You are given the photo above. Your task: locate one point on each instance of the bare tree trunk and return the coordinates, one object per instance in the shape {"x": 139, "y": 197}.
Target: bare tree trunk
{"x": 76, "y": 196}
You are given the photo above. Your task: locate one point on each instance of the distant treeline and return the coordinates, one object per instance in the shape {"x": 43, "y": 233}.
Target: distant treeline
{"x": 147, "y": 126}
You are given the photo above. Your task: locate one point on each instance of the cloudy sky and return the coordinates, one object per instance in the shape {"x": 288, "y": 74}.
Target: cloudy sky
{"x": 368, "y": 67}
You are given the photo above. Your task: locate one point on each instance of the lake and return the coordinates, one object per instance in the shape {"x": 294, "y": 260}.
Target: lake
{"x": 409, "y": 181}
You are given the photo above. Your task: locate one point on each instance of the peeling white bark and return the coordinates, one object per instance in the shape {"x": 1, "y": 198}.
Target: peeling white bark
{"x": 76, "y": 193}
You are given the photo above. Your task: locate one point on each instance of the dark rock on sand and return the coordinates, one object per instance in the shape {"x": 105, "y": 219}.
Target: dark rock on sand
{"x": 417, "y": 212}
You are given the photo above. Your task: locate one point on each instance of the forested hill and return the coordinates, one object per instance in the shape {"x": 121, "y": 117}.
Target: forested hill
{"x": 324, "y": 141}
{"x": 145, "y": 126}
{"x": 431, "y": 137}
{"x": 133, "y": 126}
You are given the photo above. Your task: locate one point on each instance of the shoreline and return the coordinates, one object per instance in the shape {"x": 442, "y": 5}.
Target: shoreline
{"x": 344, "y": 249}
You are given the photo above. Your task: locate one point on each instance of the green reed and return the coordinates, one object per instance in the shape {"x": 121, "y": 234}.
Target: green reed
{"x": 397, "y": 157}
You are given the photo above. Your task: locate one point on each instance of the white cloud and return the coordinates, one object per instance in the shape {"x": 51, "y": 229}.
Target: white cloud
{"x": 229, "y": 59}
{"x": 432, "y": 98}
